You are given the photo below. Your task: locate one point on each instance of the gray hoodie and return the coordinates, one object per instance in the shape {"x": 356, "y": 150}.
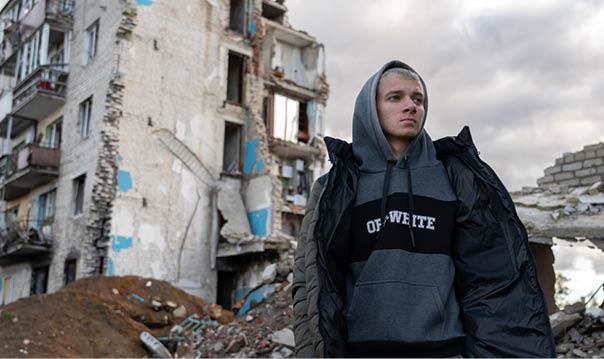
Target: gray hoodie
{"x": 400, "y": 295}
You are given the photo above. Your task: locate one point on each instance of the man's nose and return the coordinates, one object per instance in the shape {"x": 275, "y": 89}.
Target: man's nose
{"x": 409, "y": 105}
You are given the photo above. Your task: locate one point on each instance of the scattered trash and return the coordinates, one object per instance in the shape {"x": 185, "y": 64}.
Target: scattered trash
{"x": 579, "y": 332}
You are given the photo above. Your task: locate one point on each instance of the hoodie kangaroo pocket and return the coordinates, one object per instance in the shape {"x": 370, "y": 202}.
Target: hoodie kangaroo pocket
{"x": 395, "y": 310}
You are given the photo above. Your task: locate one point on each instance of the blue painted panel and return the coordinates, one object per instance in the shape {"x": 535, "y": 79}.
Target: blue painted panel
{"x": 249, "y": 156}
{"x": 145, "y": 2}
{"x": 258, "y": 221}
{"x": 120, "y": 243}
{"x": 258, "y": 296}
{"x": 259, "y": 165}
{"x": 240, "y": 293}
{"x": 124, "y": 181}
{"x": 252, "y": 22}
{"x": 110, "y": 267}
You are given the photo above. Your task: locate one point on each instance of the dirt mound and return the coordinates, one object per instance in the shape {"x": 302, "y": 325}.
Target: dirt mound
{"x": 98, "y": 317}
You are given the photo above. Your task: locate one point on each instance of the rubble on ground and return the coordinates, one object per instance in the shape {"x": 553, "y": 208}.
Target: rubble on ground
{"x": 141, "y": 317}
{"x": 264, "y": 325}
{"x": 579, "y": 333}
{"x": 98, "y": 317}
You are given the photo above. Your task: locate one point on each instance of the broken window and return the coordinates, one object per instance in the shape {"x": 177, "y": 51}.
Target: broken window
{"x": 290, "y": 120}
{"x": 92, "y": 38}
{"x": 235, "y": 78}
{"x": 274, "y": 10}
{"x": 79, "y": 184}
{"x": 84, "y": 117}
{"x": 237, "y": 16}
{"x": 70, "y": 270}
{"x": 54, "y": 133}
{"x": 232, "y": 148}
{"x": 39, "y": 280}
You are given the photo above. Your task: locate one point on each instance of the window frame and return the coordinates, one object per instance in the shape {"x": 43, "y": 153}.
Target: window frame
{"x": 92, "y": 40}
{"x": 79, "y": 192}
{"x": 85, "y": 117}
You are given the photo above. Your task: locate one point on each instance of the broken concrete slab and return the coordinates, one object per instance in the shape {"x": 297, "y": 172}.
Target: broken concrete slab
{"x": 592, "y": 199}
{"x": 539, "y": 223}
{"x": 230, "y": 205}
{"x": 561, "y": 321}
{"x": 283, "y": 337}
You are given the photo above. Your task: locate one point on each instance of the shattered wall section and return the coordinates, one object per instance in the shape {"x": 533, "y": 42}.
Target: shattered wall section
{"x": 580, "y": 168}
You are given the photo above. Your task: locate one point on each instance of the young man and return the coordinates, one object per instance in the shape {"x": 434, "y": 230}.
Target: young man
{"x": 413, "y": 248}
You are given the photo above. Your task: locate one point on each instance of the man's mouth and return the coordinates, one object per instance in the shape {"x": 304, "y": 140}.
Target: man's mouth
{"x": 408, "y": 120}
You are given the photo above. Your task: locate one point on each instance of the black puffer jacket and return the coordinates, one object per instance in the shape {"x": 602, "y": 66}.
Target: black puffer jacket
{"x": 502, "y": 305}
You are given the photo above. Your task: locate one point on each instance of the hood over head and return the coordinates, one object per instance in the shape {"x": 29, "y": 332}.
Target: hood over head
{"x": 370, "y": 146}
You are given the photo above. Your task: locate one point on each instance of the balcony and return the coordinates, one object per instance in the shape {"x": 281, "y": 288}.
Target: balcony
{"x": 25, "y": 240}
{"x": 20, "y": 23}
{"x": 27, "y": 168}
{"x": 41, "y": 93}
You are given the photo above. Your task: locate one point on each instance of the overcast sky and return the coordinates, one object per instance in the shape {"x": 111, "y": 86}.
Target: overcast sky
{"x": 526, "y": 76}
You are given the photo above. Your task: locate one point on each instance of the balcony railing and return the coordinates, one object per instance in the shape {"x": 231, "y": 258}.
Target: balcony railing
{"x": 27, "y": 168}
{"x": 25, "y": 239}
{"x": 41, "y": 93}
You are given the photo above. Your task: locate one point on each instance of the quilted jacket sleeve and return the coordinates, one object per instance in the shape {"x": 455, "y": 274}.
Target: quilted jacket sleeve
{"x": 304, "y": 333}
{"x": 502, "y": 305}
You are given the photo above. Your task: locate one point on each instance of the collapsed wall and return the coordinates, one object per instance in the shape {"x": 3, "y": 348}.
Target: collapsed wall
{"x": 580, "y": 168}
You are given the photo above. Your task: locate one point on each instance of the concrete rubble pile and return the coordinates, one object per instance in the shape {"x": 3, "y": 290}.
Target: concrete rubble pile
{"x": 579, "y": 332}
{"x": 264, "y": 324}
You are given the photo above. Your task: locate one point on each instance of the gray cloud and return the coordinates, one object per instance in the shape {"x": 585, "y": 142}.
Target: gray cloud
{"x": 526, "y": 77}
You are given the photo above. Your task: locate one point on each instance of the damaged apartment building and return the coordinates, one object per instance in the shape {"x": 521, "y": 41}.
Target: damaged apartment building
{"x": 168, "y": 139}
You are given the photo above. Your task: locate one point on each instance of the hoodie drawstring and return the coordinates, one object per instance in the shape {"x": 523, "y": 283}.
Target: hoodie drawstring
{"x": 384, "y": 206}
{"x": 385, "y": 188}
{"x": 410, "y": 196}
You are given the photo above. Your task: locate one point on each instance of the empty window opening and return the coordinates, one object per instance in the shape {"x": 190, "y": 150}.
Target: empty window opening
{"x": 84, "y": 117}
{"x": 79, "y": 185}
{"x": 39, "y": 280}
{"x": 290, "y": 121}
{"x": 237, "y": 16}
{"x": 296, "y": 180}
{"x": 235, "y": 78}
{"x": 70, "y": 270}
{"x": 232, "y": 148}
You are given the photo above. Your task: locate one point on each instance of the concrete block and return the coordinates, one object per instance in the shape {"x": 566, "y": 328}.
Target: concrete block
{"x": 586, "y": 172}
{"x": 572, "y": 166}
{"x": 560, "y": 161}
{"x": 580, "y": 156}
{"x": 563, "y": 176}
{"x": 552, "y": 170}
{"x": 591, "y": 180}
{"x": 600, "y": 153}
{"x": 570, "y": 183}
{"x": 568, "y": 157}
{"x": 600, "y": 170}
{"x": 594, "y": 162}
{"x": 590, "y": 154}
{"x": 545, "y": 179}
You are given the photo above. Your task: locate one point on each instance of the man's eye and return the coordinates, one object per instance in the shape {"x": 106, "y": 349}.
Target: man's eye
{"x": 394, "y": 98}
{"x": 418, "y": 100}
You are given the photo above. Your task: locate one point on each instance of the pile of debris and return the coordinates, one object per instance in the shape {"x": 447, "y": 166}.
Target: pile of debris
{"x": 563, "y": 201}
{"x": 579, "y": 332}
{"x": 264, "y": 324}
{"x": 99, "y": 317}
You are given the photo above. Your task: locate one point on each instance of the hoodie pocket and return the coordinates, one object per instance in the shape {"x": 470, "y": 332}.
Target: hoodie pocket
{"x": 394, "y": 310}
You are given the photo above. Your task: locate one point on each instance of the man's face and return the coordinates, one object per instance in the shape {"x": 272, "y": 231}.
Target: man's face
{"x": 400, "y": 107}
